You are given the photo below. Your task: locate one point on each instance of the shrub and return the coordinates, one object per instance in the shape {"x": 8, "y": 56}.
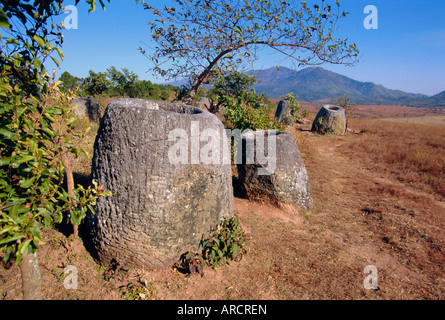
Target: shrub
{"x": 244, "y": 108}
{"x": 225, "y": 244}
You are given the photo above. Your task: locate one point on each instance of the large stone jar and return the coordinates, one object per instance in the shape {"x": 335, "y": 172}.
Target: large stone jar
{"x": 164, "y": 197}
{"x": 330, "y": 119}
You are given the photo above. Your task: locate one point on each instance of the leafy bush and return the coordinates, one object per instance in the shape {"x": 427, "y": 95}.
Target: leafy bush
{"x": 34, "y": 143}
{"x": 295, "y": 107}
{"x": 244, "y": 108}
{"x": 225, "y": 244}
{"x": 35, "y": 120}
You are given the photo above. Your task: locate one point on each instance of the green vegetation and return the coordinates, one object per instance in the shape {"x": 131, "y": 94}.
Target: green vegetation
{"x": 35, "y": 141}
{"x": 244, "y": 108}
{"x": 224, "y": 244}
{"x": 114, "y": 83}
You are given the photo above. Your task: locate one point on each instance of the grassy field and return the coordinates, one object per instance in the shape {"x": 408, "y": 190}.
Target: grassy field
{"x": 379, "y": 195}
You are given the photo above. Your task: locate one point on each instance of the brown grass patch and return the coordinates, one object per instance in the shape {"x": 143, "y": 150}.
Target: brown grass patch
{"x": 415, "y": 153}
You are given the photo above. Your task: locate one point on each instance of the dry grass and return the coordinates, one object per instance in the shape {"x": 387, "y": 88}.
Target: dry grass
{"x": 414, "y": 152}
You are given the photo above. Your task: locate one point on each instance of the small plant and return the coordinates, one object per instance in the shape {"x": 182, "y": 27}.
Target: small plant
{"x": 295, "y": 107}
{"x": 140, "y": 291}
{"x": 225, "y": 244}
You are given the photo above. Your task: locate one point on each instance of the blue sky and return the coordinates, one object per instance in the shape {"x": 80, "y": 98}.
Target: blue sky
{"x": 406, "y": 52}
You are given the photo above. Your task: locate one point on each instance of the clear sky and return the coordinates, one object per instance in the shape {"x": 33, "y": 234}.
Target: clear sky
{"x": 406, "y": 52}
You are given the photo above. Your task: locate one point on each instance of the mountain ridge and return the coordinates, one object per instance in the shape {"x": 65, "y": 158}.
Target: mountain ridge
{"x": 315, "y": 83}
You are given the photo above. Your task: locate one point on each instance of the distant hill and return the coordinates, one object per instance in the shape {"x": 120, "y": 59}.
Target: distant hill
{"x": 315, "y": 83}
{"x": 437, "y": 100}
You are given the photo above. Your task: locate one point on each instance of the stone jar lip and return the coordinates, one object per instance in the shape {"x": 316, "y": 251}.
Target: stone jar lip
{"x": 333, "y": 108}
{"x": 144, "y": 104}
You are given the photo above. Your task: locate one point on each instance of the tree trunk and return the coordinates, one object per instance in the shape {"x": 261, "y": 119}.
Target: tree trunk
{"x": 29, "y": 266}
{"x": 70, "y": 187}
{"x": 205, "y": 76}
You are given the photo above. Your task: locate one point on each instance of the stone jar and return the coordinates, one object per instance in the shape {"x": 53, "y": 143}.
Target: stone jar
{"x": 272, "y": 167}
{"x": 165, "y": 195}
{"x": 330, "y": 119}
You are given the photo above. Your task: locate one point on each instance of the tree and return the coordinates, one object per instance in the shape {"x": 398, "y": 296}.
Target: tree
{"x": 35, "y": 117}
{"x": 96, "y": 83}
{"x": 244, "y": 108}
{"x": 69, "y": 82}
{"x": 199, "y": 39}
{"x": 123, "y": 82}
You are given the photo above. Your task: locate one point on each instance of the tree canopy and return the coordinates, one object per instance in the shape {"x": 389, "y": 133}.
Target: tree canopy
{"x": 199, "y": 39}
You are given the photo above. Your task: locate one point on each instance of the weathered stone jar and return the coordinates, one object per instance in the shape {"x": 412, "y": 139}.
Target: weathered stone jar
{"x": 162, "y": 202}
{"x": 330, "y": 119}
{"x": 275, "y": 169}
{"x": 88, "y": 107}
{"x": 283, "y": 113}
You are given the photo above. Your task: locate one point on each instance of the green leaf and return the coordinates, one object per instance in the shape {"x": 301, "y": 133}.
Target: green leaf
{"x": 7, "y": 133}
{"x": 24, "y": 159}
{"x": 59, "y": 51}
{"x": 4, "y": 20}
{"x": 39, "y": 41}
{"x": 36, "y": 63}
{"x": 27, "y": 183}
{"x": 12, "y": 238}
{"x": 57, "y": 62}
{"x": 22, "y": 247}
{"x": 5, "y": 161}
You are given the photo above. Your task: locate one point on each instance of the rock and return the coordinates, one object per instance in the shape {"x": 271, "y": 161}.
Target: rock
{"x": 204, "y": 103}
{"x": 285, "y": 181}
{"x": 283, "y": 112}
{"x": 330, "y": 119}
{"x": 88, "y": 107}
{"x": 160, "y": 208}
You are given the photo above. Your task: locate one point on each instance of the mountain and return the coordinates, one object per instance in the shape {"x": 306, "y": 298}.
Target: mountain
{"x": 315, "y": 83}
{"x": 437, "y": 100}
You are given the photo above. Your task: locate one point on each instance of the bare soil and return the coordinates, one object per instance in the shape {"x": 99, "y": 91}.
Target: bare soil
{"x": 363, "y": 214}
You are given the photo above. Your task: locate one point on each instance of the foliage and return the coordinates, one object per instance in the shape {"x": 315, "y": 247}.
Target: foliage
{"x": 115, "y": 82}
{"x": 35, "y": 123}
{"x": 140, "y": 291}
{"x": 122, "y": 82}
{"x": 225, "y": 244}
{"x": 244, "y": 108}
{"x": 199, "y": 39}
{"x": 34, "y": 140}
{"x": 295, "y": 107}
{"x": 69, "y": 82}
{"x": 96, "y": 83}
